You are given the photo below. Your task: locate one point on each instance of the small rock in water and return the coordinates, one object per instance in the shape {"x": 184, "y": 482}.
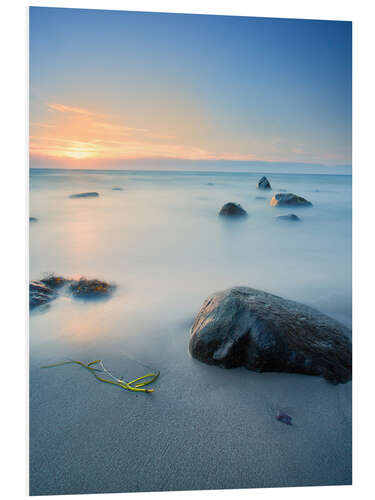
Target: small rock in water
{"x": 283, "y": 417}
{"x": 264, "y": 183}
{"x": 286, "y": 218}
{"x": 40, "y": 294}
{"x": 92, "y": 194}
{"x": 33, "y": 219}
{"x": 210, "y": 184}
{"x": 84, "y": 288}
{"x": 260, "y": 198}
{"x": 54, "y": 282}
{"x": 281, "y": 199}
{"x": 117, "y": 188}
{"x": 232, "y": 210}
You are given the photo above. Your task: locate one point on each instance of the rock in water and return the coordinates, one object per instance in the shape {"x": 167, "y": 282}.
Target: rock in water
{"x": 232, "y": 210}
{"x": 286, "y": 218}
{"x": 40, "y": 294}
{"x": 264, "y": 183}
{"x": 117, "y": 188}
{"x": 92, "y": 194}
{"x": 282, "y": 199}
{"x": 85, "y": 288}
{"x": 247, "y": 327}
{"x": 33, "y": 219}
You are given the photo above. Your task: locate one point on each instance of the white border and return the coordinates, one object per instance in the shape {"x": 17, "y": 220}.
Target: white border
{"x": 14, "y": 207}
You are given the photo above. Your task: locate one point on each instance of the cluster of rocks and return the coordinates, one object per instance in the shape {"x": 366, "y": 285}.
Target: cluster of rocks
{"x": 45, "y": 290}
{"x": 232, "y": 209}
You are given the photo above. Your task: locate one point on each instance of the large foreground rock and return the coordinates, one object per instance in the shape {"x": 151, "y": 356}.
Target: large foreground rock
{"x": 264, "y": 183}
{"x": 247, "y": 327}
{"x": 289, "y": 199}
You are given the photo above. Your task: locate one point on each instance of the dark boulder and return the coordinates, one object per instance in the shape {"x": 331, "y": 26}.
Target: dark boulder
{"x": 264, "y": 183}
{"x": 289, "y": 199}
{"x": 247, "y": 327}
{"x": 92, "y": 194}
{"x": 40, "y": 294}
{"x": 287, "y": 218}
{"x": 33, "y": 219}
{"x": 232, "y": 210}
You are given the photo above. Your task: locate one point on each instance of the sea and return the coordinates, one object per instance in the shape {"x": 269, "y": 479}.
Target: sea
{"x": 161, "y": 241}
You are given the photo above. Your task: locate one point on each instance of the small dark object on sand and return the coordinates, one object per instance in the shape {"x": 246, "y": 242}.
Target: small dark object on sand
{"x": 232, "y": 210}
{"x": 84, "y": 288}
{"x": 92, "y": 194}
{"x": 117, "y": 188}
{"x": 33, "y": 219}
{"x": 284, "y": 418}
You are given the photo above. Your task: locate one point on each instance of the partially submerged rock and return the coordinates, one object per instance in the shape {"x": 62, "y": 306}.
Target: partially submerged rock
{"x": 247, "y": 327}
{"x": 289, "y": 199}
{"x": 210, "y": 184}
{"x": 264, "y": 183}
{"x": 232, "y": 210}
{"x": 84, "y": 288}
{"x": 288, "y": 218}
{"x": 33, "y": 219}
{"x": 117, "y": 188}
{"x": 260, "y": 198}
{"x": 92, "y": 194}
{"x": 40, "y": 294}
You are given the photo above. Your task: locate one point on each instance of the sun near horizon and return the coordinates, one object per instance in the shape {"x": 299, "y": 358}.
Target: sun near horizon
{"x": 109, "y": 86}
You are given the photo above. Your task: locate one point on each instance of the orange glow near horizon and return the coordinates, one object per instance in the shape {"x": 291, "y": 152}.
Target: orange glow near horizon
{"x": 74, "y": 133}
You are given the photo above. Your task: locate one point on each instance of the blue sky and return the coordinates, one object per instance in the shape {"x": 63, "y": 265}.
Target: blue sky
{"x": 110, "y": 86}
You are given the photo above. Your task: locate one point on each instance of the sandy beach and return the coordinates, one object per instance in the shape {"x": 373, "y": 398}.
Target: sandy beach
{"x": 204, "y": 427}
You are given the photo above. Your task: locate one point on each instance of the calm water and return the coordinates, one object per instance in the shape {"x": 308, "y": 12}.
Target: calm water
{"x": 161, "y": 241}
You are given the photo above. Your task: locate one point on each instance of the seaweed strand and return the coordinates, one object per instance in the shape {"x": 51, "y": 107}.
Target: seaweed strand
{"x": 116, "y": 381}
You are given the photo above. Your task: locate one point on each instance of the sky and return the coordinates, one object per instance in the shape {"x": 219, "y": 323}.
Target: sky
{"x": 110, "y": 89}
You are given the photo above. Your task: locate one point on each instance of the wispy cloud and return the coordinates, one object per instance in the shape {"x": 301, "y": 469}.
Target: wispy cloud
{"x": 63, "y": 108}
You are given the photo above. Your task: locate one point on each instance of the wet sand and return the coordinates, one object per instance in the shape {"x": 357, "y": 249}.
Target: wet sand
{"x": 203, "y": 428}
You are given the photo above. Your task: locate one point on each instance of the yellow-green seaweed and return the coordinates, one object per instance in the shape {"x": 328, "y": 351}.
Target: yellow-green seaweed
{"x": 117, "y": 381}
